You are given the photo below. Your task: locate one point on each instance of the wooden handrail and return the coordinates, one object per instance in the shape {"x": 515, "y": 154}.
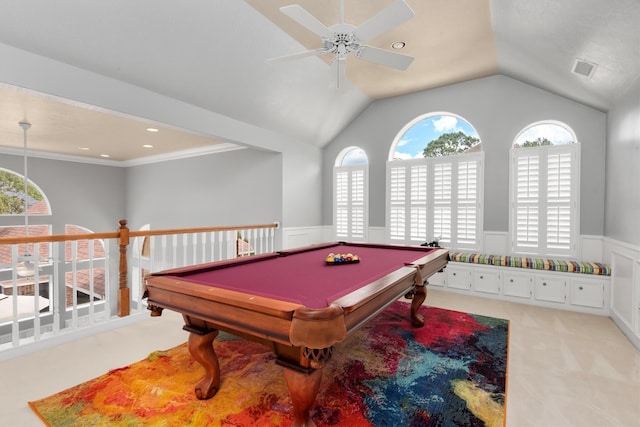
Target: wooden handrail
{"x": 123, "y": 235}
{"x": 48, "y": 238}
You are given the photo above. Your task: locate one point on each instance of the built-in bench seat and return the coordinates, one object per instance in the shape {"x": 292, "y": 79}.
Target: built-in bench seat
{"x": 563, "y": 266}
{"x": 547, "y": 282}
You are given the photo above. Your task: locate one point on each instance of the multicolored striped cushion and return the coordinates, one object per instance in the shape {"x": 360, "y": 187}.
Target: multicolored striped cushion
{"x": 534, "y": 263}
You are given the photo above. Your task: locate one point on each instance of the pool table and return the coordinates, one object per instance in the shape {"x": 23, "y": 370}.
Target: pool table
{"x": 295, "y": 302}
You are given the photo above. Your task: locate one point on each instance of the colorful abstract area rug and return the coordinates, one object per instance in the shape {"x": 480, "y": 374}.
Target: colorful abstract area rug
{"x": 451, "y": 372}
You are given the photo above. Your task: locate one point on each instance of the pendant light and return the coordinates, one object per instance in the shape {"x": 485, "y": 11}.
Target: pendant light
{"x": 28, "y": 267}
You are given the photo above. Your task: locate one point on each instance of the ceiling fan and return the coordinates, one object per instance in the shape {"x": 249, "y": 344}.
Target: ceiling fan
{"x": 342, "y": 39}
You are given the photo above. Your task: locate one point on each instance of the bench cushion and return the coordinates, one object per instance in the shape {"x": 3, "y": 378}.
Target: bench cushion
{"x": 567, "y": 266}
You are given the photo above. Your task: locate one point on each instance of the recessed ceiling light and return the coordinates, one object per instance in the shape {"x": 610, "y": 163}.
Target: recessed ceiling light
{"x": 398, "y": 45}
{"x": 104, "y": 155}
{"x": 83, "y": 148}
{"x": 152, "y": 130}
{"x": 148, "y": 146}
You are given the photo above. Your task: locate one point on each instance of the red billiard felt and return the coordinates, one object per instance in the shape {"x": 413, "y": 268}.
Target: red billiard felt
{"x": 304, "y": 277}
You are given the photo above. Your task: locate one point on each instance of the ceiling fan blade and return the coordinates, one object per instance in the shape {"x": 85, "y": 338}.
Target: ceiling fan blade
{"x": 390, "y": 17}
{"x": 298, "y": 55}
{"x": 304, "y": 18}
{"x": 384, "y": 57}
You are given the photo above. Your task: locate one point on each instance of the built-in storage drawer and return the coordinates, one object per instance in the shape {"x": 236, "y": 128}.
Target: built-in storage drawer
{"x": 458, "y": 277}
{"x": 438, "y": 279}
{"x": 547, "y": 288}
{"x": 486, "y": 281}
{"x": 517, "y": 285}
{"x": 588, "y": 293}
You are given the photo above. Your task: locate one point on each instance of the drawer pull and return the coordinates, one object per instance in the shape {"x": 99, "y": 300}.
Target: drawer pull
{"x": 511, "y": 280}
{"x": 482, "y": 277}
{"x": 580, "y": 287}
{"x": 544, "y": 283}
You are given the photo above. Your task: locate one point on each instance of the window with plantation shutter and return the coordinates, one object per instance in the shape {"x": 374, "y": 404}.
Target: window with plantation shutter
{"x": 435, "y": 199}
{"x": 544, "y": 199}
{"x": 350, "y": 202}
{"x": 434, "y": 183}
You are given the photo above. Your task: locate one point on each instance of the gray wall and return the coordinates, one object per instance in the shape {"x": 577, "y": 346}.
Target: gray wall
{"x": 498, "y": 107}
{"x": 231, "y": 188}
{"x": 622, "y": 207}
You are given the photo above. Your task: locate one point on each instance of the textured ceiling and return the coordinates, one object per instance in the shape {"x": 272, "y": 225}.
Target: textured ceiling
{"x": 213, "y": 55}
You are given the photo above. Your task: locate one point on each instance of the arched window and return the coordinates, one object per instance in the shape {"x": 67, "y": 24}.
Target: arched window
{"x": 13, "y": 202}
{"x": 435, "y": 182}
{"x": 12, "y": 196}
{"x": 544, "y": 190}
{"x": 351, "y": 195}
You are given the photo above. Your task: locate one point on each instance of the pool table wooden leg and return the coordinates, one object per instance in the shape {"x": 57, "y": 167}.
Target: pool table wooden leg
{"x": 420, "y": 294}
{"x": 303, "y": 388}
{"x": 201, "y": 348}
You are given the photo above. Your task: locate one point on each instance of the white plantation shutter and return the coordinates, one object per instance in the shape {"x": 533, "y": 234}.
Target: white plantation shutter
{"x": 559, "y": 201}
{"x": 467, "y": 219}
{"x": 350, "y": 202}
{"x": 396, "y": 195}
{"x": 342, "y": 203}
{"x": 357, "y": 204}
{"x": 435, "y": 198}
{"x": 418, "y": 203}
{"x": 441, "y": 201}
{"x": 527, "y": 200}
{"x": 544, "y": 198}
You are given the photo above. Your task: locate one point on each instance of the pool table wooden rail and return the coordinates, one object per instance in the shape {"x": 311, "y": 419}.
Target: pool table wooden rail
{"x": 227, "y": 310}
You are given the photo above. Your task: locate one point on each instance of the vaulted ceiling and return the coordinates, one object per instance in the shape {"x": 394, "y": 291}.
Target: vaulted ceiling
{"x": 214, "y": 55}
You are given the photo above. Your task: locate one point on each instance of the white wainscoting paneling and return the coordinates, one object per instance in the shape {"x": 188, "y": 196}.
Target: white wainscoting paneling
{"x": 296, "y": 237}
{"x": 624, "y": 259}
{"x": 591, "y": 248}
{"x": 496, "y": 243}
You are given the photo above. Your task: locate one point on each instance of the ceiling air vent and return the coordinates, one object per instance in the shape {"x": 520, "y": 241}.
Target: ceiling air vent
{"x": 584, "y": 68}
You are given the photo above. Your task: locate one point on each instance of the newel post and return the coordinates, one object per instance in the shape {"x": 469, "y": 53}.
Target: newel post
{"x": 124, "y": 297}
